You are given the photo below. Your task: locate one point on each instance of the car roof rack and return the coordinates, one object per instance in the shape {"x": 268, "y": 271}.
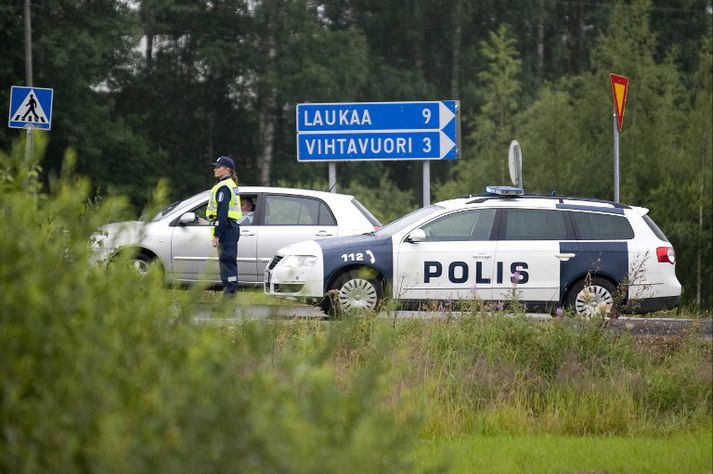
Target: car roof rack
{"x": 479, "y": 198}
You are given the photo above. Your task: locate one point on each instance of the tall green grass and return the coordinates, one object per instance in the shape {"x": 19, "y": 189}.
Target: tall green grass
{"x": 494, "y": 375}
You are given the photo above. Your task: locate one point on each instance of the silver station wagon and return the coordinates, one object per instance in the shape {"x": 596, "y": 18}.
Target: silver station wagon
{"x": 178, "y": 237}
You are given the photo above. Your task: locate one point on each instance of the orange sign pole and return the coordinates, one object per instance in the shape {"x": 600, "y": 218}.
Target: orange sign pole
{"x": 619, "y": 87}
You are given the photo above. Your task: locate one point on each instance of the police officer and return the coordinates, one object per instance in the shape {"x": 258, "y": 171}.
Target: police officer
{"x": 224, "y": 212}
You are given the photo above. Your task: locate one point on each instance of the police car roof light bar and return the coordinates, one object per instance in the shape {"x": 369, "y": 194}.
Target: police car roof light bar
{"x": 504, "y": 190}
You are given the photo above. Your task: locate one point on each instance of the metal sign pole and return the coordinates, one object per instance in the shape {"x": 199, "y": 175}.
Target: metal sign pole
{"x": 616, "y": 159}
{"x": 332, "y": 177}
{"x": 28, "y": 149}
{"x": 426, "y": 183}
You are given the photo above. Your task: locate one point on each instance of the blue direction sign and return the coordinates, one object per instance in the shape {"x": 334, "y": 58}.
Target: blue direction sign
{"x": 30, "y": 107}
{"x": 378, "y": 131}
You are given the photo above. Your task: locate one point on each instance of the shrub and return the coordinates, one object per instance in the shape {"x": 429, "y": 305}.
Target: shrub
{"x": 103, "y": 371}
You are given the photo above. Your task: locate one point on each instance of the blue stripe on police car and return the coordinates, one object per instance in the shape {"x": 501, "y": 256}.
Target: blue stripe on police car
{"x": 338, "y": 254}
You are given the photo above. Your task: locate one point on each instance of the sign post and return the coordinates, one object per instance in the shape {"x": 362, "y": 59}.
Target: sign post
{"x": 619, "y": 87}
{"x": 373, "y": 131}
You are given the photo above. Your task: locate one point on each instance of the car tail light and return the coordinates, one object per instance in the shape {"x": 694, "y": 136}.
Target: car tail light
{"x": 377, "y": 227}
{"x": 666, "y": 255}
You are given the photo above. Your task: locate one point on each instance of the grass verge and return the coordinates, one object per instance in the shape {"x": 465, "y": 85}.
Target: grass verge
{"x": 689, "y": 453}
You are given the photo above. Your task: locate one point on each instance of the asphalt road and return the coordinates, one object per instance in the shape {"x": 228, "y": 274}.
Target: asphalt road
{"x": 636, "y": 326}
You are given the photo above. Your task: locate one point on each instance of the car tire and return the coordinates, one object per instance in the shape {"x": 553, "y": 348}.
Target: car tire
{"x": 593, "y": 297}
{"x": 142, "y": 262}
{"x": 358, "y": 289}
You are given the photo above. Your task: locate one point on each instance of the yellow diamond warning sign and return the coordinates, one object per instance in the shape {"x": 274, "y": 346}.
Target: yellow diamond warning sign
{"x": 619, "y": 87}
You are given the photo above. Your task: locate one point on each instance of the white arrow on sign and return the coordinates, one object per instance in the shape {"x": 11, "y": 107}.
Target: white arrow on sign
{"x": 445, "y": 115}
{"x": 446, "y": 144}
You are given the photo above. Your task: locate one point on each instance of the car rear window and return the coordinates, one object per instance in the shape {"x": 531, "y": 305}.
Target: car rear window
{"x": 594, "y": 226}
{"x": 296, "y": 210}
{"x": 369, "y": 216}
{"x": 654, "y": 228}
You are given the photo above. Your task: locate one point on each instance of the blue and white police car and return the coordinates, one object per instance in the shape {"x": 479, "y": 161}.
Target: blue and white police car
{"x": 547, "y": 252}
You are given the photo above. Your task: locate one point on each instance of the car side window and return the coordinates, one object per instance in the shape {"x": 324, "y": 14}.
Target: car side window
{"x": 248, "y": 209}
{"x": 200, "y": 213}
{"x": 325, "y": 215}
{"x": 593, "y": 226}
{"x": 461, "y": 226}
{"x": 295, "y": 210}
{"x": 535, "y": 224}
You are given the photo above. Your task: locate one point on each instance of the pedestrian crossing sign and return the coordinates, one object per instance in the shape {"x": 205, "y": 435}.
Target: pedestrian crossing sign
{"x": 30, "y": 107}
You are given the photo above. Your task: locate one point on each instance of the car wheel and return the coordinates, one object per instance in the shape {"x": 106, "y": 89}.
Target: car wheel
{"x": 592, "y": 297}
{"x": 142, "y": 262}
{"x": 357, "y": 290}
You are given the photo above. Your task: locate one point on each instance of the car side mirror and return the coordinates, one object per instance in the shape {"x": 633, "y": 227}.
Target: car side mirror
{"x": 187, "y": 218}
{"x": 416, "y": 235}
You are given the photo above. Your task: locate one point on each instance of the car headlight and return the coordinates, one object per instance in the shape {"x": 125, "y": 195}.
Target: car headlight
{"x": 98, "y": 241}
{"x": 298, "y": 261}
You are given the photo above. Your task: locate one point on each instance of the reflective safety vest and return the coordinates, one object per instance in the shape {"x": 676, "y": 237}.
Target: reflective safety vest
{"x": 234, "y": 211}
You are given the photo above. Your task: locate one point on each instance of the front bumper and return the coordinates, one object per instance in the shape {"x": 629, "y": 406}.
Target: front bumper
{"x": 287, "y": 281}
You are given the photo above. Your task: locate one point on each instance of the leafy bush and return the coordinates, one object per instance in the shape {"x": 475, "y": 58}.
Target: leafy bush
{"x": 103, "y": 371}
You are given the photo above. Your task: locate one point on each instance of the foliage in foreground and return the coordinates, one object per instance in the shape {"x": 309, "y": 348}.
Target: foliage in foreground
{"x": 102, "y": 371}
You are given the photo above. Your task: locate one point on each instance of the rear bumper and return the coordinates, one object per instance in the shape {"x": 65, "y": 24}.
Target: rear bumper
{"x": 650, "y": 305}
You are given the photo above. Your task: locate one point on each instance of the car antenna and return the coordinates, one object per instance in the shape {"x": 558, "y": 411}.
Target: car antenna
{"x": 332, "y": 187}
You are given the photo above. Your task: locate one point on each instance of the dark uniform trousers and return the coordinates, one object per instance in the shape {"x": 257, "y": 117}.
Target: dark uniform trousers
{"x": 228, "y": 257}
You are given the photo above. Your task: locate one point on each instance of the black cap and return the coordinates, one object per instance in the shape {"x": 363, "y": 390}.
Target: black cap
{"x": 223, "y": 161}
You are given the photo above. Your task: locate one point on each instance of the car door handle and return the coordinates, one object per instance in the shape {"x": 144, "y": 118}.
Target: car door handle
{"x": 246, "y": 233}
{"x": 565, "y": 256}
{"x": 323, "y": 233}
{"x": 482, "y": 255}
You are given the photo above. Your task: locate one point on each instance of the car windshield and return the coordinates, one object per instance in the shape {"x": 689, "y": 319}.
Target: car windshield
{"x": 163, "y": 212}
{"x": 408, "y": 219}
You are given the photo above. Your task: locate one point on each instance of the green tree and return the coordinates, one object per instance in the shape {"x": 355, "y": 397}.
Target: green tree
{"x": 661, "y": 164}
{"x": 485, "y": 150}
{"x": 299, "y": 58}
{"x": 79, "y": 50}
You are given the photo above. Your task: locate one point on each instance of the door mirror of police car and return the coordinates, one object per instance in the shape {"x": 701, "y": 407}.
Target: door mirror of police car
{"x": 416, "y": 235}
{"x": 187, "y": 218}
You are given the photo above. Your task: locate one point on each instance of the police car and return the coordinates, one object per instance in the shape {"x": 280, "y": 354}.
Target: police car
{"x": 547, "y": 252}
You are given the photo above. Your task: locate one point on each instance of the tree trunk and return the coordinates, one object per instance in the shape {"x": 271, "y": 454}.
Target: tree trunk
{"x": 267, "y": 135}
{"x": 148, "y": 33}
{"x": 541, "y": 40}
{"x": 455, "y": 66}
{"x": 699, "y": 253}
{"x": 267, "y": 110}
{"x": 149, "y": 51}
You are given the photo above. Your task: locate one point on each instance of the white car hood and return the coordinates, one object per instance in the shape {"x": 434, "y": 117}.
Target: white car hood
{"x": 119, "y": 234}
{"x": 307, "y": 247}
